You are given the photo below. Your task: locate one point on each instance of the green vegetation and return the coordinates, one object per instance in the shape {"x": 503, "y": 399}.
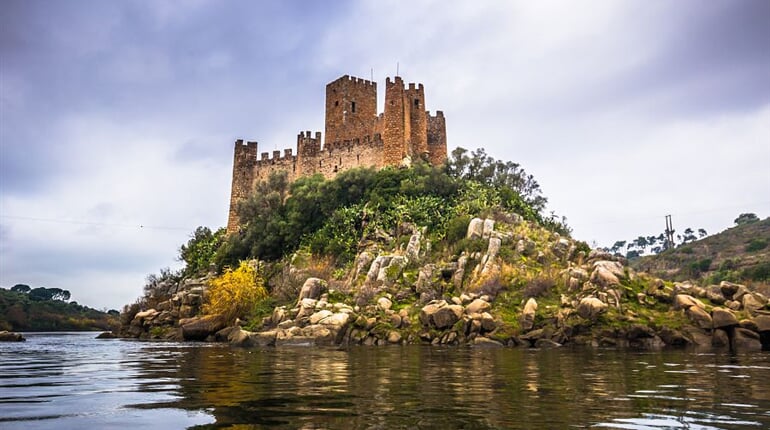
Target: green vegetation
{"x": 756, "y": 245}
{"x": 331, "y": 217}
{"x": 45, "y": 309}
{"x": 746, "y": 218}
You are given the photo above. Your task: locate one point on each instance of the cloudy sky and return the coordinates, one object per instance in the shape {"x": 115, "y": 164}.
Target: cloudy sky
{"x": 117, "y": 119}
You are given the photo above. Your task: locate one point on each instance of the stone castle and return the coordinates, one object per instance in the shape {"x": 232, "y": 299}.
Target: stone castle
{"x": 356, "y": 136}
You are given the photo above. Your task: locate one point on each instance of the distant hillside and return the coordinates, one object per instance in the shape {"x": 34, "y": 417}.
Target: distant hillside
{"x": 738, "y": 254}
{"x": 22, "y": 311}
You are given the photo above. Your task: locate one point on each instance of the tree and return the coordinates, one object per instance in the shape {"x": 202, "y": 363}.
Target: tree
{"x": 746, "y": 218}
{"x": 198, "y": 252}
{"x": 21, "y": 288}
{"x": 702, "y": 233}
{"x": 42, "y": 293}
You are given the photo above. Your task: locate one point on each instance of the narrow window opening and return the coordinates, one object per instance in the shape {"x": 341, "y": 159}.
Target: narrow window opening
{"x": 319, "y": 163}
{"x": 336, "y": 103}
{"x": 416, "y": 102}
{"x": 353, "y": 107}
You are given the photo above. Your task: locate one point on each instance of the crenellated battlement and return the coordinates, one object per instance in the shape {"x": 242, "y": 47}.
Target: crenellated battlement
{"x": 352, "y": 80}
{"x": 356, "y": 136}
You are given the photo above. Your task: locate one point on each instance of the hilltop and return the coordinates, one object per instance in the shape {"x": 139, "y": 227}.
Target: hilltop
{"x": 460, "y": 254}
{"x": 738, "y": 254}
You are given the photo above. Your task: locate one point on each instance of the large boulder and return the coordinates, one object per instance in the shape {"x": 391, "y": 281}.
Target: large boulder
{"x": 590, "y": 308}
{"x": 722, "y": 318}
{"x": 729, "y": 289}
{"x": 685, "y": 301}
{"x": 389, "y": 273}
{"x": 306, "y": 308}
{"x": 199, "y": 328}
{"x": 339, "y": 320}
{"x": 374, "y": 270}
{"x": 384, "y": 304}
{"x": 488, "y": 228}
{"x": 527, "y": 320}
{"x": 698, "y": 316}
{"x": 494, "y": 247}
{"x": 613, "y": 267}
{"x": 604, "y": 277}
{"x": 561, "y": 248}
{"x": 312, "y": 289}
{"x": 363, "y": 261}
{"x": 714, "y": 293}
{"x": 752, "y": 302}
{"x": 447, "y": 316}
{"x": 762, "y": 322}
{"x": 746, "y": 340}
{"x": 8, "y": 336}
{"x": 427, "y": 311}
{"x": 413, "y": 247}
{"x": 477, "y": 306}
{"x": 318, "y": 316}
{"x": 475, "y": 229}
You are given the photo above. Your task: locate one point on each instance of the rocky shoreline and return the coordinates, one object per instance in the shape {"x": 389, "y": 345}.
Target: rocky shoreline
{"x": 8, "y": 336}
{"x": 601, "y": 302}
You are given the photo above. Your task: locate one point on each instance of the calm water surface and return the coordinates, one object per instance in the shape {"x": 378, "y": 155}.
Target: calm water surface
{"x": 73, "y": 381}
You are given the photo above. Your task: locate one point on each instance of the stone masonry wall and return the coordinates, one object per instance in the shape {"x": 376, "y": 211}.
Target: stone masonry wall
{"x": 355, "y": 137}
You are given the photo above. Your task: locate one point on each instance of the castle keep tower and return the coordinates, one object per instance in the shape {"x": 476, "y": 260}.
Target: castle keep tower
{"x": 355, "y": 137}
{"x": 351, "y": 108}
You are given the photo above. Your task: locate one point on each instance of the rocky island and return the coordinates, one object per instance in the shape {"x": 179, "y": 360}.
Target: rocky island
{"x": 379, "y": 238}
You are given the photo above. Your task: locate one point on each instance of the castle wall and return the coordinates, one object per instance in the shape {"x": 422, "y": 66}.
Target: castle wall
{"x": 355, "y": 137}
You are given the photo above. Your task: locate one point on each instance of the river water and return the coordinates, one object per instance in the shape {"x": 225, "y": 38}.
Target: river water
{"x": 73, "y": 381}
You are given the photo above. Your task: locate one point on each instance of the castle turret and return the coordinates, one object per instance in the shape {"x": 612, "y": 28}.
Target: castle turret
{"x": 244, "y": 162}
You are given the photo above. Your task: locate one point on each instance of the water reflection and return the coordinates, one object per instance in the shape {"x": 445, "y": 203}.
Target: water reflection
{"x": 80, "y": 382}
{"x": 428, "y": 387}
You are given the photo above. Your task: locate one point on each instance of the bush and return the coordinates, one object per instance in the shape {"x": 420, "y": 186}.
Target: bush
{"x": 760, "y": 272}
{"x": 457, "y": 228}
{"x": 236, "y": 293}
{"x": 756, "y": 245}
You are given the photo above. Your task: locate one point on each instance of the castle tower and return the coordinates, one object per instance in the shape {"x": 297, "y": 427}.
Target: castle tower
{"x": 244, "y": 163}
{"x": 351, "y": 109}
{"x": 396, "y": 128}
{"x": 436, "y": 134}
{"x": 418, "y": 122}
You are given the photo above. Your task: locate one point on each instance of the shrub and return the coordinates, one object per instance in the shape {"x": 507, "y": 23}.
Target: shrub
{"x": 236, "y": 293}
{"x": 457, "y": 227}
{"x": 756, "y": 245}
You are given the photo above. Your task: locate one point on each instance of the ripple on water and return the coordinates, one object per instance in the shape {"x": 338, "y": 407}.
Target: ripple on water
{"x": 60, "y": 381}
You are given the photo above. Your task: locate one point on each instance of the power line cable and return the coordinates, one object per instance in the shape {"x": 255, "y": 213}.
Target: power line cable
{"x": 93, "y": 223}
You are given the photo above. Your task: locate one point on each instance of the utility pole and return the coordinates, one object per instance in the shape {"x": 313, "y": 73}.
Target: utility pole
{"x": 669, "y": 233}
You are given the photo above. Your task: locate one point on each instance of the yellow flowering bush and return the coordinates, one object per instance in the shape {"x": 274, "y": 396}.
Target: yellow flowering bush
{"x": 236, "y": 292}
